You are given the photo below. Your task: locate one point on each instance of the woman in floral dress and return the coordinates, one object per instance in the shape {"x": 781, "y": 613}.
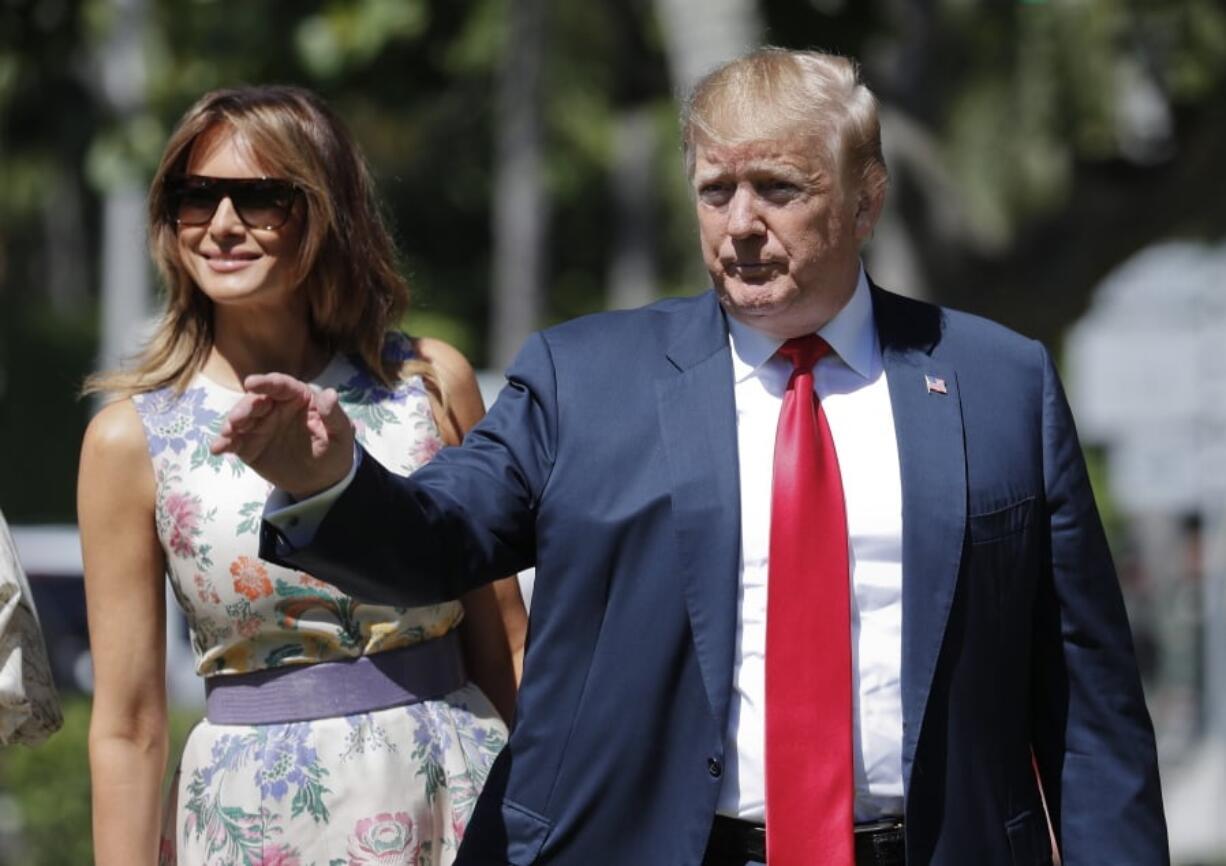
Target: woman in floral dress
{"x": 337, "y": 732}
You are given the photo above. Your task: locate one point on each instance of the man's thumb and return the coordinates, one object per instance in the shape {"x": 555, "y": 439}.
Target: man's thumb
{"x": 327, "y": 403}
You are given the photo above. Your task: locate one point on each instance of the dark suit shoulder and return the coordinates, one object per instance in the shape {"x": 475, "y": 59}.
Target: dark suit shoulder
{"x": 623, "y": 332}
{"x": 619, "y": 321}
{"x": 985, "y": 335}
{"x": 950, "y": 334}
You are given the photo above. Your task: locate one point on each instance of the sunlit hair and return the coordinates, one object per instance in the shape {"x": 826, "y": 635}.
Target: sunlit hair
{"x": 774, "y": 94}
{"x": 346, "y": 263}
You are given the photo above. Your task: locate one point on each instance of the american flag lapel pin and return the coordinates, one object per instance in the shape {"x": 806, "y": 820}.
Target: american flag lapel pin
{"x": 935, "y": 385}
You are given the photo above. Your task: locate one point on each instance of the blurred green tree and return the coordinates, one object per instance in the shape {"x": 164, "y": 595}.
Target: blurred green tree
{"x": 1033, "y": 145}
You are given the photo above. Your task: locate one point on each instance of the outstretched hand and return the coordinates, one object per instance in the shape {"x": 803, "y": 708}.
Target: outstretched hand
{"x": 296, "y": 437}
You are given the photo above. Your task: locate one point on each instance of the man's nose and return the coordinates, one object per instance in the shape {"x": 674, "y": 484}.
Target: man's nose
{"x": 744, "y": 219}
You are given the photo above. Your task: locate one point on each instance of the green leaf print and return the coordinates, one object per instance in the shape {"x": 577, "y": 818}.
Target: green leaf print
{"x": 203, "y": 560}
{"x": 372, "y": 415}
{"x": 281, "y": 653}
{"x": 289, "y": 590}
{"x": 310, "y": 798}
{"x": 297, "y": 601}
{"x": 228, "y": 830}
{"x": 251, "y": 513}
{"x": 436, "y": 778}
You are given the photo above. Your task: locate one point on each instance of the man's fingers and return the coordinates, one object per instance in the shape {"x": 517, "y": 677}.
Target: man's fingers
{"x": 250, "y": 407}
{"x": 278, "y": 386}
{"x": 325, "y": 401}
{"x": 245, "y": 417}
{"x": 294, "y": 435}
{"x": 222, "y": 443}
{"x": 327, "y": 404}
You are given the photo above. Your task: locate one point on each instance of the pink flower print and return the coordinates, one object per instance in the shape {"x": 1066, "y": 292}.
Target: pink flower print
{"x": 314, "y": 582}
{"x": 249, "y": 626}
{"x": 425, "y": 449}
{"x": 184, "y": 513}
{"x": 250, "y": 578}
{"x": 384, "y": 840}
{"x": 278, "y": 855}
{"x": 205, "y": 590}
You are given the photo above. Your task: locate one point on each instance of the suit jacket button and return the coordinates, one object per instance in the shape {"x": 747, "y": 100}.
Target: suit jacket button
{"x": 715, "y": 768}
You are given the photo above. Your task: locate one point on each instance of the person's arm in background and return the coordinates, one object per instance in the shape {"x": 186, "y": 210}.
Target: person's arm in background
{"x": 1094, "y": 742}
{"x": 495, "y": 622}
{"x": 29, "y": 704}
{"x": 125, "y": 595}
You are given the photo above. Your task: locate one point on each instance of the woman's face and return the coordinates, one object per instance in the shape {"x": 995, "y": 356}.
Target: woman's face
{"x": 233, "y": 263}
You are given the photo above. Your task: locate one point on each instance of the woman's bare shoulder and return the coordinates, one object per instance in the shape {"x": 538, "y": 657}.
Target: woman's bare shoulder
{"x": 449, "y": 362}
{"x": 116, "y": 429}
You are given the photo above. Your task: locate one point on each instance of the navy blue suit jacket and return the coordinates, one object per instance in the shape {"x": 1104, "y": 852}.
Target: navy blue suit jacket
{"x": 610, "y": 463}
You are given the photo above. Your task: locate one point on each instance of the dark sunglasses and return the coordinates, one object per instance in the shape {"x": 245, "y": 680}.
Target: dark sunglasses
{"x": 260, "y": 202}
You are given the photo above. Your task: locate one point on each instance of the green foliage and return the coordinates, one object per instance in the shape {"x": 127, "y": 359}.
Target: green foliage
{"x": 1016, "y": 99}
{"x": 353, "y": 34}
{"x": 43, "y": 358}
{"x": 449, "y": 329}
{"x": 49, "y": 788}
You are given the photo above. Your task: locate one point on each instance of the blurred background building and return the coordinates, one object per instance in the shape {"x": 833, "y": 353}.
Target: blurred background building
{"x": 1054, "y": 165}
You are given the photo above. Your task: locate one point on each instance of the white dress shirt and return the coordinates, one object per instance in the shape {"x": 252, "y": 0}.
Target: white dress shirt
{"x": 851, "y": 384}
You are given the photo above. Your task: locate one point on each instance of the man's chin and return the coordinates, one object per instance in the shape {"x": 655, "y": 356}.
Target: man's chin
{"x": 754, "y": 300}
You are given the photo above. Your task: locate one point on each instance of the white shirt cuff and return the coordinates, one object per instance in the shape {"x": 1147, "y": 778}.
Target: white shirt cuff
{"x": 299, "y": 519}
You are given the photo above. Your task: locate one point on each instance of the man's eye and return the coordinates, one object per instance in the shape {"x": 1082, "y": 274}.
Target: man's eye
{"x": 777, "y": 190}
{"x": 714, "y": 193}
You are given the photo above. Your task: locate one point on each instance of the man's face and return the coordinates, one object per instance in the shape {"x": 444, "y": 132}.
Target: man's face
{"x": 781, "y": 232}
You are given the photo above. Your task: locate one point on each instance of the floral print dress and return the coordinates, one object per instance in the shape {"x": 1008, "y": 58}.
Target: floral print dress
{"x": 392, "y": 786}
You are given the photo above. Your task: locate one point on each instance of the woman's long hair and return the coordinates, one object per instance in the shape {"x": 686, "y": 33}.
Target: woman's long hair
{"x": 346, "y": 263}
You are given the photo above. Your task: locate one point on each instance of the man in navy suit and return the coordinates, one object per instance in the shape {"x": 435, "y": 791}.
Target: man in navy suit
{"x": 633, "y": 459}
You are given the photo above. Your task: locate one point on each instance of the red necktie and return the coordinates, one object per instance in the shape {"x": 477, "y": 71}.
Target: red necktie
{"x": 809, "y": 786}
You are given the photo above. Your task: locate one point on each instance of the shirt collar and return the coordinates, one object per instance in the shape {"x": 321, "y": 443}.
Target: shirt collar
{"x": 850, "y": 333}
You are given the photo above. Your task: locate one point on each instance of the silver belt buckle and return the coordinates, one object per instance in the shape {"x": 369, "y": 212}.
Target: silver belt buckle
{"x": 879, "y": 825}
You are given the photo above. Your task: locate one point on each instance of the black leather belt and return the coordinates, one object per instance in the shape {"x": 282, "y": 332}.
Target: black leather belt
{"x": 880, "y": 843}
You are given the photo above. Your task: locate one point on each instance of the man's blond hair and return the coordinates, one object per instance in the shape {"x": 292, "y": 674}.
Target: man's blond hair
{"x": 773, "y": 94}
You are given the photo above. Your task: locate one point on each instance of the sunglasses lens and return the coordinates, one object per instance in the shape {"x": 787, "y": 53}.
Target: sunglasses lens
{"x": 266, "y": 204}
{"x": 194, "y": 207}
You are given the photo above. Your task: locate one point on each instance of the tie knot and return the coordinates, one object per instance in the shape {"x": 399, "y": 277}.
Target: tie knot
{"x": 804, "y": 351}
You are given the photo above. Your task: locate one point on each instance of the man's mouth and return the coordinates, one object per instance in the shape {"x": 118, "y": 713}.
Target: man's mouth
{"x": 753, "y": 267}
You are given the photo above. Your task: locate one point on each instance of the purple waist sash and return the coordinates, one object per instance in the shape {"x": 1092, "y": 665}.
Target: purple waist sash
{"x": 299, "y": 693}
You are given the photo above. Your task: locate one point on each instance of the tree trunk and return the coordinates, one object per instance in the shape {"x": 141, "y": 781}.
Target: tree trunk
{"x": 701, "y": 34}
{"x": 520, "y": 206}
{"x": 126, "y": 286}
{"x": 66, "y": 252}
{"x": 632, "y": 263}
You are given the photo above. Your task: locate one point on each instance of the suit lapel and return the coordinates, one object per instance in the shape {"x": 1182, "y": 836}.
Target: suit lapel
{"x": 932, "y": 459}
{"x": 698, "y": 428}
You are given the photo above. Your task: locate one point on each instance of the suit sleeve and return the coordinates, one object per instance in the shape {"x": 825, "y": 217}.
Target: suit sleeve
{"x": 1094, "y": 742}
{"x": 465, "y": 518}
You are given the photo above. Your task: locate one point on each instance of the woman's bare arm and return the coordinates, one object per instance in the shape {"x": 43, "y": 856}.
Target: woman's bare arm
{"x": 124, "y": 588}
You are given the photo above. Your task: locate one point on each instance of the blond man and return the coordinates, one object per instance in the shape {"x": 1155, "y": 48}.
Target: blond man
{"x": 818, "y": 568}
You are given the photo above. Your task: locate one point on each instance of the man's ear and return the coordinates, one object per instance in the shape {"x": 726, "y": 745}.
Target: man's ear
{"x": 868, "y": 211}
